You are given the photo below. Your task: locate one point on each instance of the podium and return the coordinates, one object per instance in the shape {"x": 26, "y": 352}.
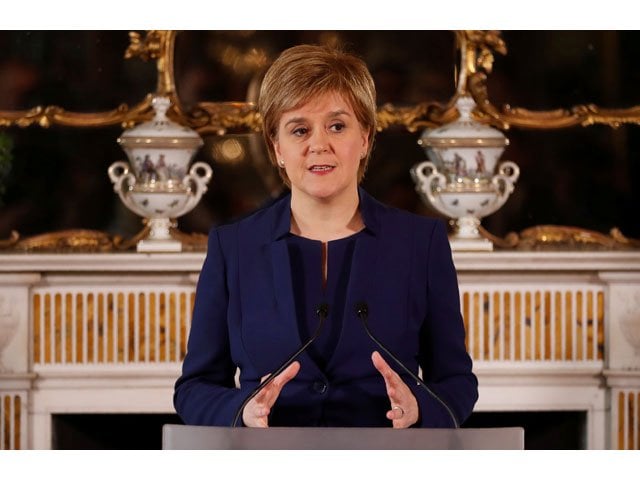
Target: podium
{"x": 185, "y": 437}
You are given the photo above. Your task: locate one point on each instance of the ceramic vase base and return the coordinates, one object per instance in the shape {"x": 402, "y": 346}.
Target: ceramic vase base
{"x": 155, "y": 246}
{"x": 470, "y": 244}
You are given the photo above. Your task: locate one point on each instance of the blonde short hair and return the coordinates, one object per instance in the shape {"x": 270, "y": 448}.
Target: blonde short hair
{"x": 307, "y": 71}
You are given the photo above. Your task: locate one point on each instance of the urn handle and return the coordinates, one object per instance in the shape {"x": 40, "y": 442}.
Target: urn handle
{"x": 123, "y": 181}
{"x": 429, "y": 183}
{"x": 121, "y": 177}
{"x": 508, "y": 173}
{"x": 117, "y": 171}
{"x": 509, "y": 170}
{"x": 196, "y": 182}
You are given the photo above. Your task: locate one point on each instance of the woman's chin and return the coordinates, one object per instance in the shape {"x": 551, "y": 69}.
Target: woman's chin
{"x": 325, "y": 194}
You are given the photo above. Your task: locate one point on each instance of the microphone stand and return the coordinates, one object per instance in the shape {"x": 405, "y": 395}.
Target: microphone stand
{"x": 362, "y": 311}
{"x": 322, "y": 312}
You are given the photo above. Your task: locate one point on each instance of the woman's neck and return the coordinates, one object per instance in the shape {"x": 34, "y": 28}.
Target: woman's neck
{"x": 325, "y": 220}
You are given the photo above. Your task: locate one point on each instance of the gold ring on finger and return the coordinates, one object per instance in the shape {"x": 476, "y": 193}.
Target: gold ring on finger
{"x": 398, "y": 408}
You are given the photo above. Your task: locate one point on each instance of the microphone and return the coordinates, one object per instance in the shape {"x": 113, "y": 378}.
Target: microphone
{"x": 362, "y": 312}
{"x": 322, "y": 312}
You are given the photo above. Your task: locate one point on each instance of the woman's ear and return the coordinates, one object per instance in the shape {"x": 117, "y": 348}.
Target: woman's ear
{"x": 365, "y": 140}
{"x": 276, "y": 149}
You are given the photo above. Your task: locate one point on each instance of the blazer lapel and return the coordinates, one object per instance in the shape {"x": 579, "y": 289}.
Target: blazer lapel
{"x": 270, "y": 331}
{"x": 278, "y": 332}
{"x": 289, "y": 339}
{"x": 286, "y": 307}
{"x": 283, "y": 286}
{"x": 360, "y": 289}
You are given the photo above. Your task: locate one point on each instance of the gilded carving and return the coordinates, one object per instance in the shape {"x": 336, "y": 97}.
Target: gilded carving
{"x": 91, "y": 241}
{"x": 157, "y": 45}
{"x": 423, "y": 115}
{"x": 478, "y": 49}
{"x": 69, "y": 241}
{"x": 11, "y": 241}
{"x": 54, "y": 115}
{"x": 477, "y": 46}
{"x": 557, "y": 237}
{"x": 190, "y": 241}
{"x": 218, "y": 118}
{"x": 147, "y": 48}
{"x": 543, "y": 237}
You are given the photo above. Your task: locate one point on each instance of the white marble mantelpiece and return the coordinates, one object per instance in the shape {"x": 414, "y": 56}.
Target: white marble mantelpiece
{"x": 101, "y": 262}
{"x": 192, "y": 261}
{"x": 525, "y": 357}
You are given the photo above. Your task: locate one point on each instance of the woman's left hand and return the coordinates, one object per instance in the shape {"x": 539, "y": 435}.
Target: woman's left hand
{"x": 404, "y": 406}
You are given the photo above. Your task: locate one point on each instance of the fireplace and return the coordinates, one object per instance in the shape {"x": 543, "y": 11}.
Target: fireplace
{"x": 553, "y": 430}
{"x": 97, "y": 341}
{"x": 109, "y": 431}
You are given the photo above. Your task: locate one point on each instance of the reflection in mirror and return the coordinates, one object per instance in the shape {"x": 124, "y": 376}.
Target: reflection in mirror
{"x": 581, "y": 176}
{"x": 546, "y": 70}
{"x": 80, "y": 71}
{"x": 409, "y": 67}
{"x": 229, "y": 66}
{"x": 57, "y": 181}
{"x": 585, "y": 177}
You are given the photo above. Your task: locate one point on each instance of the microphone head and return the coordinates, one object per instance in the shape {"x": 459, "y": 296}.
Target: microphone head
{"x": 322, "y": 310}
{"x": 362, "y": 310}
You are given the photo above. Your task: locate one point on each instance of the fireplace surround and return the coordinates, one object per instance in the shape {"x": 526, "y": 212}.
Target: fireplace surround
{"x": 104, "y": 334}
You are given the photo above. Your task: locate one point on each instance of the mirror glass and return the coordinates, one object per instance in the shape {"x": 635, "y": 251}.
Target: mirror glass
{"x": 408, "y": 67}
{"x": 80, "y": 71}
{"x": 545, "y": 70}
{"x": 581, "y": 176}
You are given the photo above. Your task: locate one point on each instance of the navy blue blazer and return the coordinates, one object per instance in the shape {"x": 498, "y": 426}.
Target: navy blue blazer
{"x": 244, "y": 316}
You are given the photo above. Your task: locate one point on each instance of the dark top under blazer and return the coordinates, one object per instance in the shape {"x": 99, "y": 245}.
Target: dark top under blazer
{"x": 244, "y": 316}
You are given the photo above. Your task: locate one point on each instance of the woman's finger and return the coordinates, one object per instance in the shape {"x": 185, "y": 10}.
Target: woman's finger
{"x": 287, "y": 374}
{"x": 270, "y": 393}
{"x": 391, "y": 378}
{"x": 256, "y": 412}
{"x": 404, "y": 406}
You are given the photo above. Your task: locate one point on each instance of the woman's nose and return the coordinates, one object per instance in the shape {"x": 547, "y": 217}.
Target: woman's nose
{"x": 318, "y": 142}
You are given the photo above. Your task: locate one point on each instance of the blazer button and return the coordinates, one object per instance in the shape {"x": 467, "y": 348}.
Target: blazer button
{"x": 319, "y": 387}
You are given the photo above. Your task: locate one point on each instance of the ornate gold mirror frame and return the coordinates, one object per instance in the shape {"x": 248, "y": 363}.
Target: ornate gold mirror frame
{"x": 477, "y": 50}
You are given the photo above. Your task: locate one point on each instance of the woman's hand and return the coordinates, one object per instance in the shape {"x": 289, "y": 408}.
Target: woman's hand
{"x": 404, "y": 406}
{"x": 256, "y": 413}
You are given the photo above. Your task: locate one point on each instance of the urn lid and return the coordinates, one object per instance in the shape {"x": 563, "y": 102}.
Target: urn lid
{"x": 160, "y": 132}
{"x": 464, "y": 132}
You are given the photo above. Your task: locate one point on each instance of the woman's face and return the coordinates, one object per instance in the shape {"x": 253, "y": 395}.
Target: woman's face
{"x": 321, "y": 145}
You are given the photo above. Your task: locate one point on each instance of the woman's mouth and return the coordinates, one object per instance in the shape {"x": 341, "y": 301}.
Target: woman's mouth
{"x": 321, "y": 168}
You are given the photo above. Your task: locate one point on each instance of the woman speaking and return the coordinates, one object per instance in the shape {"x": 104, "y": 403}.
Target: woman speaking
{"x": 340, "y": 298}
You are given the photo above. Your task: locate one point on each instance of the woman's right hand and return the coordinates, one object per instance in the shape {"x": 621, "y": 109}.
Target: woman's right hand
{"x": 256, "y": 413}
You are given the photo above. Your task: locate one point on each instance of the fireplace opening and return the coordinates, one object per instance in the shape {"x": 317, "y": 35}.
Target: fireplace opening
{"x": 556, "y": 430}
{"x": 139, "y": 431}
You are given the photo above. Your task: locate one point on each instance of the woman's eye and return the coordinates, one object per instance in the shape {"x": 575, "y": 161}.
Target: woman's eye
{"x": 300, "y": 131}
{"x": 337, "y": 127}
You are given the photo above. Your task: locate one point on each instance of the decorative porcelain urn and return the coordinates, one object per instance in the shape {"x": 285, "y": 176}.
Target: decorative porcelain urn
{"x": 158, "y": 183}
{"x": 462, "y": 178}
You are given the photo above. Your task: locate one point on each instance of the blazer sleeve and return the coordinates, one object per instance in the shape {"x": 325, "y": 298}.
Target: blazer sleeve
{"x": 205, "y": 394}
{"x": 446, "y": 365}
